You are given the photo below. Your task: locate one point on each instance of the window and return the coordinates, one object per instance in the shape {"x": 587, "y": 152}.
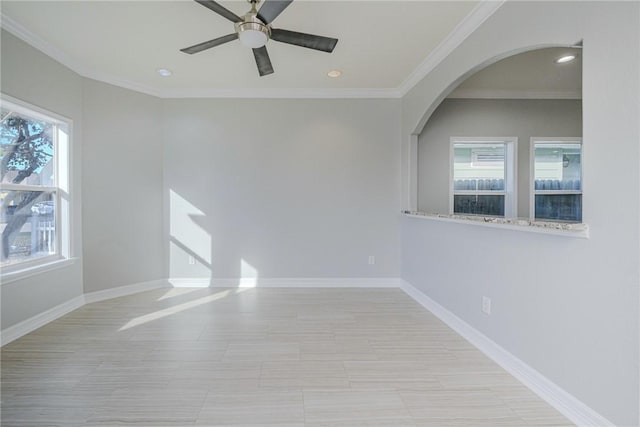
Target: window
{"x": 557, "y": 179}
{"x": 34, "y": 187}
{"x": 483, "y": 176}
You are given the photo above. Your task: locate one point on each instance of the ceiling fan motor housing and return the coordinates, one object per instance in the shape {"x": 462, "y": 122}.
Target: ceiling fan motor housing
{"x": 252, "y": 31}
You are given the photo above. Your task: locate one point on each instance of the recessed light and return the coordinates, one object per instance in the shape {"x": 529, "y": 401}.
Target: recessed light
{"x": 334, "y": 73}
{"x": 164, "y": 72}
{"x": 565, "y": 58}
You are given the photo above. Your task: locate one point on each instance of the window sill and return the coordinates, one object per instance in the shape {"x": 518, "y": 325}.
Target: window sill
{"x": 580, "y": 231}
{"x": 36, "y": 269}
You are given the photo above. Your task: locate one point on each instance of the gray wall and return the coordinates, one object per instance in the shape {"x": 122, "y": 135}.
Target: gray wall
{"x": 318, "y": 194}
{"x": 292, "y": 188}
{"x": 313, "y": 197}
{"x": 32, "y": 77}
{"x": 522, "y": 118}
{"x": 567, "y": 307}
{"x": 122, "y": 182}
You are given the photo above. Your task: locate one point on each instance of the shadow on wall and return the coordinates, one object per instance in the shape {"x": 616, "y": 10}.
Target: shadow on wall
{"x": 191, "y": 248}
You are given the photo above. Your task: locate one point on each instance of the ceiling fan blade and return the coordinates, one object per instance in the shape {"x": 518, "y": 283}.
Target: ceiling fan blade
{"x": 263, "y": 61}
{"x": 325, "y": 44}
{"x": 209, "y": 44}
{"x": 220, "y": 10}
{"x": 271, "y": 9}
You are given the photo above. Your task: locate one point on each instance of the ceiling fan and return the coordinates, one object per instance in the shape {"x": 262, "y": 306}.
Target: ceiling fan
{"x": 254, "y": 30}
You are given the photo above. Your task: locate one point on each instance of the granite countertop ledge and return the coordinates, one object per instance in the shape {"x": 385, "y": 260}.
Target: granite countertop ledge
{"x": 524, "y": 224}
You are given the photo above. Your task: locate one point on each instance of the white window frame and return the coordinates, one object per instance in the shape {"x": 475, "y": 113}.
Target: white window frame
{"x": 510, "y": 171}
{"x": 532, "y": 168}
{"x": 62, "y": 140}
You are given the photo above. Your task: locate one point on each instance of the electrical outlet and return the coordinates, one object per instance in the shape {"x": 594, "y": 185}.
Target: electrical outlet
{"x": 192, "y": 260}
{"x": 372, "y": 259}
{"x": 486, "y": 305}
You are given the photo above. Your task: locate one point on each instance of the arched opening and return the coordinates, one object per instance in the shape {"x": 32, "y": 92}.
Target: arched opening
{"x": 505, "y": 140}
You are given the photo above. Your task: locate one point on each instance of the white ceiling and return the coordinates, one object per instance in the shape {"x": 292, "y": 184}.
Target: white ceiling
{"x": 533, "y": 74}
{"x": 381, "y": 43}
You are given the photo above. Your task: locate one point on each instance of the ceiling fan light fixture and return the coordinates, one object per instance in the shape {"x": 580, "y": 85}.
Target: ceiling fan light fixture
{"x": 253, "y": 34}
{"x": 254, "y": 31}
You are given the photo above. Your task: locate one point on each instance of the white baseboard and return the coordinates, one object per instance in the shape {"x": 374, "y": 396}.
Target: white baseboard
{"x": 31, "y": 324}
{"x": 205, "y": 282}
{"x": 565, "y": 403}
{"x": 572, "y": 408}
{"x": 122, "y": 291}
{"x": 14, "y": 332}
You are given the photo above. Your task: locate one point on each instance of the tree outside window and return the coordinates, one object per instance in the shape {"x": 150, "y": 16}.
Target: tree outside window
{"x": 30, "y": 193}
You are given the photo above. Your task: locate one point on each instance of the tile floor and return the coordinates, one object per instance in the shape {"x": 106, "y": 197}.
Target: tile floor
{"x": 259, "y": 357}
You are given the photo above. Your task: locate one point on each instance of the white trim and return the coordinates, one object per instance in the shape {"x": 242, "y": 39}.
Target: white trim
{"x": 62, "y": 57}
{"x": 303, "y": 282}
{"x": 452, "y": 158}
{"x": 122, "y": 291}
{"x": 79, "y": 67}
{"x": 532, "y": 170}
{"x": 480, "y": 193}
{"x": 468, "y": 25}
{"x": 38, "y": 42}
{"x": 510, "y": 191}
{"x": 9, "y": 186}
{"x": 62, "y": 191}
{"x": 565, "y": 403}
{"x": 14, "y": 332}
{"x": 569, "y": 406}
{"x": 28, "y": 271}
{"x": 413, "y": 172}
{"x": 33, "y": 111}
{"x": 512, "y": 94}
{"x": 31, "y": 324}
{"x": 511, "y": 179}
{"x": 291, "y": 93}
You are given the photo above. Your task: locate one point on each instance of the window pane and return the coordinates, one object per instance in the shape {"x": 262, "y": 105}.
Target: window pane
{"x": 479, "y": 185}
{"x": 564, "y": 207}
{"x": 479, "y": 205}
{"x": 558, "y": 166}
{"x": 26, "y": 150}
{"x": 27, "y": 224}
{"x": 479, "y": 166}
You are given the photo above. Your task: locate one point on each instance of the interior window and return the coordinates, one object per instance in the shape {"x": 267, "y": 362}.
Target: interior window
{"x": 557, "y": 192}
{"x": 482, "y": 180}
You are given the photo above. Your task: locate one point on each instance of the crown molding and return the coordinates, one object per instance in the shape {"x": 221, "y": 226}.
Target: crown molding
{"x": 67, "y": 60}
{"x": 468, "y": 25}
{"x": 7, "y": 23}
{"x": 78, "y": 67}
{"x": 281, "y": 93}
